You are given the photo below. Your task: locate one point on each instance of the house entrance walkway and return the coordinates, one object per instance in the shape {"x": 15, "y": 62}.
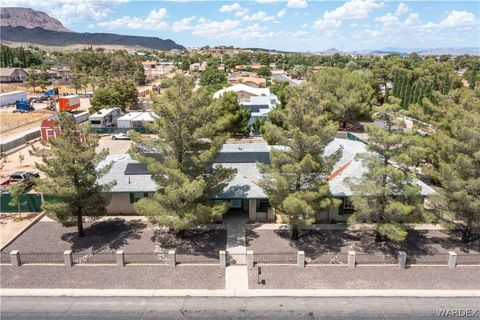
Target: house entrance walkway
{"x": 236, "y": 273}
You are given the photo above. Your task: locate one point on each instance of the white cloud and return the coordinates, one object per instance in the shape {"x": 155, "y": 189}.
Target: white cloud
{"x": 68, "y": 11}
{"x": 297, "y": 3}
{"x": 212, "y": 29}
{"x": 182, "y": 25}
{"x": 281, "y": 13}
{"x": 390, "y": 21}
{"x": 235, "y": 7}
{"x": 268, "y": 1}
{"x": 459, "y": 19}
{"x": 154, "y": 21}
{"x": 402, "y": 8}
{"x": 352, "y": 10}
{"x": 260, "y": 15}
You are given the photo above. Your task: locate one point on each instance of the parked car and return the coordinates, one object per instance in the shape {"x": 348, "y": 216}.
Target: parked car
{"x": 122, "y": 136}
{"x": 19, "y": 176}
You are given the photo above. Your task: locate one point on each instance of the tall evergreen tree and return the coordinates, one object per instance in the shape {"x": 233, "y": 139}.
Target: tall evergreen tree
{"x": 190, "y": 133}
{"x": 386, "y": 193}
{"x": 295, "y": 181}
{"x": 69, "y": 164}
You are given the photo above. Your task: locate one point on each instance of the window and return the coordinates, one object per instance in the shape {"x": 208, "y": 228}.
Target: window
{"x": 95, "y": 121}
{"x": 235, "y": 203}
{"x": 135, "y": 196}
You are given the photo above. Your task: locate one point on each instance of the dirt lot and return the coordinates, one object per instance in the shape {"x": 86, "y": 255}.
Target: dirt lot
{"x": 316, "y": 242}
{"x": 12, "y": 223}
{"x": 28, "y": 163}
{"x": 110, "y": 234}
{"x": 13, "y": 124}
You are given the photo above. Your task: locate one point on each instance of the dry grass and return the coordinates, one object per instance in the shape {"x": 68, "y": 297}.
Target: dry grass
{"x": 10, "y": 120}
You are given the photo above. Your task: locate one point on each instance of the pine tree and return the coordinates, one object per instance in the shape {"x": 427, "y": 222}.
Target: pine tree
{"x": 190, "y": 133}
{"x": 70, "y": 168}
{"x": 387, "y": 194}
{"x": 233, "y": 113}
{"x": 295, "y": 181}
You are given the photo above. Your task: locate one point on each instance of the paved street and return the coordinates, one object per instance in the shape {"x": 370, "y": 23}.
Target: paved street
{"x": 230, "y": 308}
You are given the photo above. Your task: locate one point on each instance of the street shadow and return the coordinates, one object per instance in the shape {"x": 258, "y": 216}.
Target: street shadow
{"x": 106, "y": 235}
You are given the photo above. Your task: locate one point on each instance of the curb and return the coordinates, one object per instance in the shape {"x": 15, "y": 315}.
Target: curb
{"x": 240, "y": 293}
{"x": 9, "y": 242}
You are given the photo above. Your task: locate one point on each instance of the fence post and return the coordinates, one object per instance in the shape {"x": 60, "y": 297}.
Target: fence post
{"x": 452, "y": 260}
{"x": 171, "y": 258}
{"x": 250, "y": 258}
{"x": 15, "y": 258}
{"x": 301, "y": 259}
{"x": 223, "y": 259}
{"x": 351, "y": 259}
{"x": 402, "y": 259}
{"x": 120, "y": 258}
{"x": 67, "y": 258}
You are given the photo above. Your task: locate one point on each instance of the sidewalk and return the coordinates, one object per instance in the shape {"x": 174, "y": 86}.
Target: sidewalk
{"x": 236, "y": 293}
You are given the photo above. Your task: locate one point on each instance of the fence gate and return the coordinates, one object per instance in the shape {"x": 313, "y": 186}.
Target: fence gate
{"x": 236, "y": 258}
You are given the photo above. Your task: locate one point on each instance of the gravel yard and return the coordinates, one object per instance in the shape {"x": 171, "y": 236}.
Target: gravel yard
{"x": 316, "y": 242}
{"x": 132, "y": 234}
{"x": 293, "y": 277}
{"x": 103, "y": 277}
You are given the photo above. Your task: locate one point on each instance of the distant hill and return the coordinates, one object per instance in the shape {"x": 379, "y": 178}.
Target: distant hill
{"x": 29, "y": 18}
{"x": 27, "y": 26}
{"x": 40, "y": 36}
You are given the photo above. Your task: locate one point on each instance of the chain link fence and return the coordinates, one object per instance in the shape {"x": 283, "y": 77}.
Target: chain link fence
{"x": 431, "y": 259}
{"x": 468, "y": 259}
{"x": 94, "y": 258}
{"x": 197, "y": 258}
{"x": 375, "y": 259}
{"x": 4, "y": 258}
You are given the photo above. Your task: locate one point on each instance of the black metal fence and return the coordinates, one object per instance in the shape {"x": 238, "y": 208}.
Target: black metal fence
{"x": 4, "y": 258}
{"x": 94, "y": 258}
{"x": 431, "y": 259}
{"x": 146, "y": 257}
{"x": 191, "y": 258}
{"x": 375, "y": 259}
{"x": 468, "y": 259}
{"x": 41, "y": 258}
{"x": 275, "y": 258}
{"x": 328, "y": 259}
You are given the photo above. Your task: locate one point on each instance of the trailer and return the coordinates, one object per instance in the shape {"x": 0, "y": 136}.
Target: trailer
{"x": 10, "y": 98}
{"x": 68, "y": 103}
{"x": 105, "y": 117}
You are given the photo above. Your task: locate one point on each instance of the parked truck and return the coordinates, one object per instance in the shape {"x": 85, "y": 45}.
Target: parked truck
{"x": 10, "y": 98}
{"x": 23, "y": 106}
{"x": 68, "y": 103}
{"x": 16, "y": 177}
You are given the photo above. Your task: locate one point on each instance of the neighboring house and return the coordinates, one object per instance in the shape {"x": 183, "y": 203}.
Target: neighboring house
{"x": 251, "y": 81}
{"x": 198, "y": 66}
{"x": 279, "y": 76}
{"x": 134, "y": 120}
{"x": 12, "y": 75}
{"x": 243, "y": 191}
{"x": 260, "y": 101}
{"x": 147, "y": 65}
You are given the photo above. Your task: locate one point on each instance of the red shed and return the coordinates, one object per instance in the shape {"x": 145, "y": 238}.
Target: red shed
{"x": 49, "y": 128}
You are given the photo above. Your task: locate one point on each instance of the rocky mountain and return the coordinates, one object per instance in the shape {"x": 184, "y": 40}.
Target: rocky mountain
{"x": 44, "y": 37}
{"x": 29, "y": 18}
{"x": 27, "y": 26}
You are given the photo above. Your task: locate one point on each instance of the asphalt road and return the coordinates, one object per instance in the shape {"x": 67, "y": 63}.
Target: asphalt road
{"x": 211, "y": 308}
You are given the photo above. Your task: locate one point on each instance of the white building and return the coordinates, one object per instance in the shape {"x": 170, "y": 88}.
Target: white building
{"x": 136, "y": 119}
{"x": 260, "y": 101}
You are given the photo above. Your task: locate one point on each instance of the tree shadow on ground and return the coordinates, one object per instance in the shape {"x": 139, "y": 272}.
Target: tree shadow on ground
{"x": 206, "y": 243}
{"x": 106, "y": 235}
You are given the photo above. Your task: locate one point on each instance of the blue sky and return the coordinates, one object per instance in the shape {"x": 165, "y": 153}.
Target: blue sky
{"x": 300, "y": 25}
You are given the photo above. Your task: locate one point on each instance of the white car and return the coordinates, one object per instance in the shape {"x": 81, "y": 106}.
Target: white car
{"x": 121, "y": 136}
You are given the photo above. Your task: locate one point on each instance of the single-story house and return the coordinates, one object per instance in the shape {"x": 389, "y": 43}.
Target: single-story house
{"x": 251, "y": 81}
{"x": 243, "y": 192}
{"x": 12, "y": 75}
